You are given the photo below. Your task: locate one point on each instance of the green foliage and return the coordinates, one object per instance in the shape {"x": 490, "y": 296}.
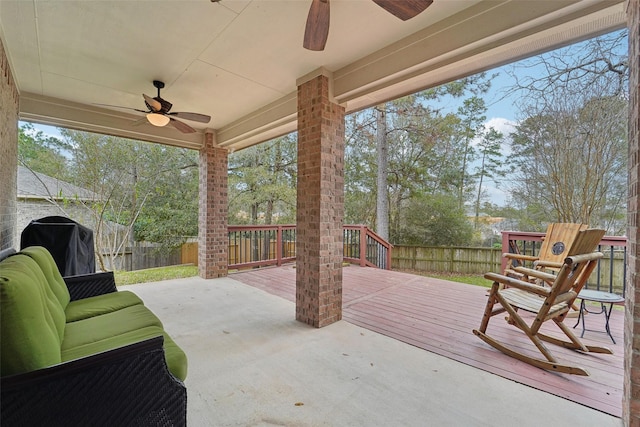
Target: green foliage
{"x": 262, "y": 183}
{"x": 41, "y": 153}
{"x": 149, "y": 190}
{"x": 434, "y": 220}
{"x": 170, "y": 213}
{"x": 429, "y": 160}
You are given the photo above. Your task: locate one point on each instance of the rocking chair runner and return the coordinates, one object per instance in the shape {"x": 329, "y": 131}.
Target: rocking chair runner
{"x": 546, "y": 302}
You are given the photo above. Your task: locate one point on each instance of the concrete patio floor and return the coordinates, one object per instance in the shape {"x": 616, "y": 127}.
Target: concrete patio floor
{"x": 252, "y": 364}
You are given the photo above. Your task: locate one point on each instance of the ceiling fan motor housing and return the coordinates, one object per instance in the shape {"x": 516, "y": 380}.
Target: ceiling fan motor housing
{"x": 165, "y": 105}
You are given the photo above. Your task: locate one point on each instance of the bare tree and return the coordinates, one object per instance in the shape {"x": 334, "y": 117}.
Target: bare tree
{"x": 569, "y": 154}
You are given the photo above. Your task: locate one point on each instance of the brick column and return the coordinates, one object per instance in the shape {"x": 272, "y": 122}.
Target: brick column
{"x": 631, "y": 394}
{"x": 320, "y": 204}
{"x": 8, "y": 153}
{"x": 212, "y": 220}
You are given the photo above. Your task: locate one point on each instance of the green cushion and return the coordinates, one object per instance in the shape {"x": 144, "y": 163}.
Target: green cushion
{"x": 101, "y": 304}
{"x": 29, "y": 321}
{"x": 50, "y": 270}
{"x": 175, "y": 357}
{"x": 55, "y": 309}
{"x": 108, "y": 325}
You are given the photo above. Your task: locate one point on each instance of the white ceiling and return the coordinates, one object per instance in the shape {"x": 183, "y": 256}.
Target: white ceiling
{"x": 240, "y": 61}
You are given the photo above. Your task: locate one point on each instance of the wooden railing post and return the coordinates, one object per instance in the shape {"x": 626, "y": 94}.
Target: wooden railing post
{"x": 363, "y": 246}
{"x": 505, "y": 244}
{"x": 279, "y": 246}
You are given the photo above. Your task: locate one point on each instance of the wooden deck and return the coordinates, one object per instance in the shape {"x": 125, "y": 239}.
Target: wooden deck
{"x": 438, "y": 316}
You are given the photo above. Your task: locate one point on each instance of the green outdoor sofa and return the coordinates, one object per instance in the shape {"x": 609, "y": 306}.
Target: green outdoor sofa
{"x": 76, "y": 352}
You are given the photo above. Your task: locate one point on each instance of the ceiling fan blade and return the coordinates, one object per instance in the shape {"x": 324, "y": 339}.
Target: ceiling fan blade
{"x": 404, "y": 9}
{"x": 152, "y": 103}
{"x": 195, "y": 117}
{"x": 182, "y": 127}
{"x": 141, "y": 121}
{"x": 317, "y": 28}
{"x": 120, "y": 106}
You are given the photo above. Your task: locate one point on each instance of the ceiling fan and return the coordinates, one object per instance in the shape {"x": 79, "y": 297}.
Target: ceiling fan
{"x": 317, "y": 28}
{"x": 158, "y": 113}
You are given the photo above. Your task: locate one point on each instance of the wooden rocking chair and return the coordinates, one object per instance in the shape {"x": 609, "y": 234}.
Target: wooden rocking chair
{"x": 554, "y": 249}
{"x": 550, "y": 302}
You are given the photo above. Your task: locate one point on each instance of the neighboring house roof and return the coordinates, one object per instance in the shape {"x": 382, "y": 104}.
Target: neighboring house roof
{"x": 36, "y": 185}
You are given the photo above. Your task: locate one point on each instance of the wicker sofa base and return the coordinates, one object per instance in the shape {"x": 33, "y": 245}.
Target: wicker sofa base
{"x": 129, "y": 386}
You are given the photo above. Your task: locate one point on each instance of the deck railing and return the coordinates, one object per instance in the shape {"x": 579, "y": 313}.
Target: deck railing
{"x": 611, "y": 273}
{"x": 262, "y": 245}
{"x": 364, "y": 247}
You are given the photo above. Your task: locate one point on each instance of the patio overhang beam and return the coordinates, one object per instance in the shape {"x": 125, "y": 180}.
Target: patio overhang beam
{"x": 72, "y": 115}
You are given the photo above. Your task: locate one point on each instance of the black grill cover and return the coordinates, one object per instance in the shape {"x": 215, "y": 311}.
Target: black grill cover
{"x": 70, "y": 243}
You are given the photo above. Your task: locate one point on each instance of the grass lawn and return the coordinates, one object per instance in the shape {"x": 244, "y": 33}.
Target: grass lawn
{"x": 155, "y": 274}
{"x": 471, "y": 279}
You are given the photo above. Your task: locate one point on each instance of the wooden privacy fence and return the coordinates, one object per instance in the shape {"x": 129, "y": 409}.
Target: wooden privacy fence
{"x": 610, "y": 274}
{"x": 189, "y": 253}
{"x": 143, "y": 255}
{"x": 459, "y": 260}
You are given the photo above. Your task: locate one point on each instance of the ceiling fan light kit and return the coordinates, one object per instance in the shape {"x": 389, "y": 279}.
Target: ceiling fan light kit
{"x": 158, "y": 114}
{"x": 158, "y": 119}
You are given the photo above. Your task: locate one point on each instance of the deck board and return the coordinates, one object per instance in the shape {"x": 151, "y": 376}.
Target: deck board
{"x": 439, "y": 316}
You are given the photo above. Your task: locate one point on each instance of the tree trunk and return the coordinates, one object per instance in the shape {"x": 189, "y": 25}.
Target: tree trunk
{"x": 382, "y": 201}
{"x": 479, "y": 195}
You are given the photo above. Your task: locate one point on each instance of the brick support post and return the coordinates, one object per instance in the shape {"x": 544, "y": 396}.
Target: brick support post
{"x": 631, "y": 395}
{"x": 8, "y": 153}
{"x": 320, "y": 204}
{"x": 212, "y": 220}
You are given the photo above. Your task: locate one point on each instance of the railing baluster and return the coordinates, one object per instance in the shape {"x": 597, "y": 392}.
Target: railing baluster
{"x": 610, "y": 268}
{"x": 598, "y": 270}
{"x": 363, "y": 248}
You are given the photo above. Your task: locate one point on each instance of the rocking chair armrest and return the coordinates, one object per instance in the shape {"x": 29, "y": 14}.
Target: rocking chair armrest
{"x": 567, "y": 296}
{"x": 515, "y": 283}
{"x": 582, "y": 258}
{"x": 536, "y": 274}
{"x": 90, "y": 285}
{"x": 520, "y": 257}
{"x": 548, "y": 264}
